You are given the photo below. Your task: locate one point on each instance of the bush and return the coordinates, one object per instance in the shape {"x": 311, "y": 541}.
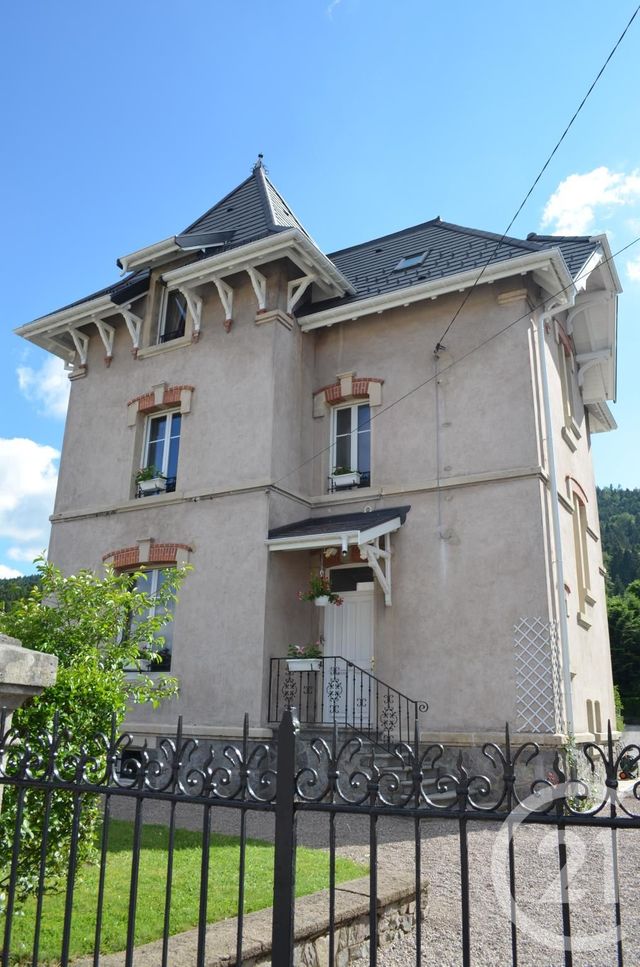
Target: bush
{"x": 98, "y": 628}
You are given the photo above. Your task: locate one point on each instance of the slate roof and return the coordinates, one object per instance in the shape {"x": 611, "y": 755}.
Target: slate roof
{"x": 448, "y": 248}
{"x": 121, "y": 292}
{"x": 336, "y": 523}
{"x": 252, "y": 210}
{"x": 255, "y": 209}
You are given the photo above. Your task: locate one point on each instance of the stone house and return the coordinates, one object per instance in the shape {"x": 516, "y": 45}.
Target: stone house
{"x": 452, "y": 378}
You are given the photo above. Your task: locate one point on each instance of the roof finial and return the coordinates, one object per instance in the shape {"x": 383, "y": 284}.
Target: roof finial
{"x": 258, "y": 163}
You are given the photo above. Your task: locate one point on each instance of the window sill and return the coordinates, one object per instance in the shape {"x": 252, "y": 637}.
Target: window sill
{"x": 164, "y": 347}
{"x": 568, "y": 439}
{"x": 588, "y": 599}
{"x": 575, "y": 429}
{"x": 583, "y": 621}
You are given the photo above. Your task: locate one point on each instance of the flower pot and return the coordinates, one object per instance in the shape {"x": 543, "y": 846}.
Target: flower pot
{"x": 153, "y": 486}
{"x": 322, "y": 601}
{"x": 304, "y": 664}
{"x": 345, "y": 479}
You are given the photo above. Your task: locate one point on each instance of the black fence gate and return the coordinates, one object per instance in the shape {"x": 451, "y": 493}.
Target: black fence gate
{"x": 339, "y": 779}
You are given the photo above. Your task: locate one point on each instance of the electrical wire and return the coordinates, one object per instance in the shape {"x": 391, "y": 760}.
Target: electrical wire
{"x": 455, "y": 362}
{"x": 537, "y": 179}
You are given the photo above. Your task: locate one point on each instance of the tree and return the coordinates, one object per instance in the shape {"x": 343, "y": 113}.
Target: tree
{"x": 13, "y": 590}
{"x": 624, "y": 632}
{"x": 98, "y": 627}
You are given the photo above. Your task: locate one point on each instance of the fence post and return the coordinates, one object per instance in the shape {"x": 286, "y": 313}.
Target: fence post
{"x": 284, "y": 873}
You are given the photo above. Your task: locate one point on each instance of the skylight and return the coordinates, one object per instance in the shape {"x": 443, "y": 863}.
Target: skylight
{"x": 410, "y": 261}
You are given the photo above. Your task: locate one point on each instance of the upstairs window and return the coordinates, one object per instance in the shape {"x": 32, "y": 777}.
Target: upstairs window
{"x": 173, "y": 316}
{"x": 351, "y": 447}
{"x": 411, "y": 261}
{"x": 160, "y": 456}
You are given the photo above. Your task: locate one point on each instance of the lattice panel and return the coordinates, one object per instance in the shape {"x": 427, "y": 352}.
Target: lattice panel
{"x": 538, "y": 676}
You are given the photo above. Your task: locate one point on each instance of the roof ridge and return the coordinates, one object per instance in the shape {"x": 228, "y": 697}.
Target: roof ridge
{"x": 381, "y": 238}
{"x": 564, "y": 238}
{"x": 260, "y": 176}
{"x": 481, "y": 233}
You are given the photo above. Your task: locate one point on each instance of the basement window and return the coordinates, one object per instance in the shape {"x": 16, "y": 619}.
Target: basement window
{"x": 410, "y": 261}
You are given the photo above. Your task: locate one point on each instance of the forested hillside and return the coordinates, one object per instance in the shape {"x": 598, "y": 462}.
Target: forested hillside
{"x": 620, "y": 532}
{"x": 14, "y": 589}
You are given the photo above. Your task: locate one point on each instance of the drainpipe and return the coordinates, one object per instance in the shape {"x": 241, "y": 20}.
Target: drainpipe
{"x": 543, "y": 318}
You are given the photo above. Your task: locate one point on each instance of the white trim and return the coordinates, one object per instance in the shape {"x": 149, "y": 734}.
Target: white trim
{"x": 350, "y": 538}
{"x": 150, "y": 253}
{"x": 536, "y": 261}
{"x": 291, "y": 243}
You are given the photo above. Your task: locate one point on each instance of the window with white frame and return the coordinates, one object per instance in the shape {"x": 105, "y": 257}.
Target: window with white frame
{"x": 565, "y": 365}
{"x": 173, "y": 315}
{"x": 150, "y": 582}
{"x": 582, "y": 553}
{"x": 160, "y": 456}
{"x": 351, "y": 446}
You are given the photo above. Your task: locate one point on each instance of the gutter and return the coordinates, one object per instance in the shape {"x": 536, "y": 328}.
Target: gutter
{"x": 541, "y": 320}
{"x": 542, "y": 261}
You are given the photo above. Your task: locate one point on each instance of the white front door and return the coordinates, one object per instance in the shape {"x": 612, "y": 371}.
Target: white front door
{"x": 348, "y": 633}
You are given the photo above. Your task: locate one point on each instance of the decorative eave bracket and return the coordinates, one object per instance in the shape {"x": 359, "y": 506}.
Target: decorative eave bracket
{"x": 134, "y": 325}
{"x": 587, "y": 361}
{"x": 107, "y": 334}
{"x": 296, "y": 289}
{"x": 194, "y": 304}
{"x": 226, "y": 298}
{"x": 379, "y": 561}
{"x": 259, "y": 284}
{"x": 81, "y": 343}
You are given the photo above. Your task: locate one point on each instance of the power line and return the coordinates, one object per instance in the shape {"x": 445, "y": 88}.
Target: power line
{"x": 455, "y": 362}
{"x": 538, "y": 177}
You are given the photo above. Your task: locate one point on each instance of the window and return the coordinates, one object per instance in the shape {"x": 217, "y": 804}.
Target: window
{"x": 162, "y": 445}
{"x": 410, "y": 261}
{"x": 173, "y": 315}
{"x": 582, "y": 555}
{"x": 150, "y": 583}
{"x": 351, "y": 447}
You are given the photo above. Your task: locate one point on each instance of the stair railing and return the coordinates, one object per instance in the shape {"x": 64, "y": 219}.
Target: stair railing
{"x": 332, "y": 690}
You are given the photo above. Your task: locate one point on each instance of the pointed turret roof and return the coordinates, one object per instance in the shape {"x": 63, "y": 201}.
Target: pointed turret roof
{"x": 252, "y": 210}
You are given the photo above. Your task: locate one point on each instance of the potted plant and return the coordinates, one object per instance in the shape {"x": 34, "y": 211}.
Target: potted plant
{"x": 150, "y": 480}
{"x": 320, "y": 592}
{"x": 345, "y": 477}
{"x": 305, "y": 658}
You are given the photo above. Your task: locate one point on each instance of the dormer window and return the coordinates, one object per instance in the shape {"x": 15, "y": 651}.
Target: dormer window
{"x": 173, "y": 315}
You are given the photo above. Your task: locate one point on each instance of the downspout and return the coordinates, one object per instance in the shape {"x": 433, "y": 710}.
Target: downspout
{"x": 543, "y": 318}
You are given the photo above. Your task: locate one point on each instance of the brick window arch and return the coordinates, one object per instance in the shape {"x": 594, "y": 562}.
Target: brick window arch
{"x": 150, "y": 553}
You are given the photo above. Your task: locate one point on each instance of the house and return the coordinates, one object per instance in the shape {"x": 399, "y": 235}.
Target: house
{"x": 452, "y": 378}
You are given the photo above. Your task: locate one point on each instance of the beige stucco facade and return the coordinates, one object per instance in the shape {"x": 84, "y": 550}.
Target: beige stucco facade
{"x": 465, "y": 444}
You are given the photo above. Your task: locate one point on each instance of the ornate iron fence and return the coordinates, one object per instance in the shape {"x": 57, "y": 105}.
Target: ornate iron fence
{"x": 331, "y": 778}
{"x": 335, "y": 691}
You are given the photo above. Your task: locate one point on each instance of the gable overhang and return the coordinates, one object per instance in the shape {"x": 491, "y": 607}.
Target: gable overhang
{"x": 62, "y": 333}
{"x": 592, "y": 323}
{"x": 290, "y": 243}
{"x": 548, "y": 269}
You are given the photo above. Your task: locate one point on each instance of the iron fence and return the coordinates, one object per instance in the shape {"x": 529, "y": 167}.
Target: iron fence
{"x": 335, "y": 776}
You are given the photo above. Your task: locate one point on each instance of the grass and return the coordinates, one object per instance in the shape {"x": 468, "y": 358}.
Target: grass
{"x": 312, "y": 873}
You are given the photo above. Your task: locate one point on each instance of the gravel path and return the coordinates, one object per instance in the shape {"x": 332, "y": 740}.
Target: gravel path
{"x": 539, "y": 915}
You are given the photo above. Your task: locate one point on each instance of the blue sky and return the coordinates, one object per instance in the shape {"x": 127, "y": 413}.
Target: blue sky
{"x": 124, "y": 121}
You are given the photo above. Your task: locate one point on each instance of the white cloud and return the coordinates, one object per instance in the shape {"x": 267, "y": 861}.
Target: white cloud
{"x": 9, "y": 572}
{"x": 332, "y": 6}
{"x": 28, "y": 554}
{"x": 633, "y": 269}
{"x": 28, "y": 477}
{"x": 47, "y": 386}
{"x": 579, "y": 199}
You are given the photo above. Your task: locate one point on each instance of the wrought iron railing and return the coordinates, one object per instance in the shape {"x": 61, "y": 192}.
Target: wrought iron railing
{"x": 335, "y": 691}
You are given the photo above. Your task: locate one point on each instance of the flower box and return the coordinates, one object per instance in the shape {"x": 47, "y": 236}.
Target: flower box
{"x": 153, "y": 486}
{"x": 304, "y": 664}
{"x": 351, "y": 479}
{"x": 321, "y": 601}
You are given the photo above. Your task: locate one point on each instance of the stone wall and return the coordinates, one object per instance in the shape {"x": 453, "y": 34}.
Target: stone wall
{"x": 396, "y": 917}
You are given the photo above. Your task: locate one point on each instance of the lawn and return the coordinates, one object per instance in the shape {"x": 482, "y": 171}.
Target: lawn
{"x": 311, "y": 875}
